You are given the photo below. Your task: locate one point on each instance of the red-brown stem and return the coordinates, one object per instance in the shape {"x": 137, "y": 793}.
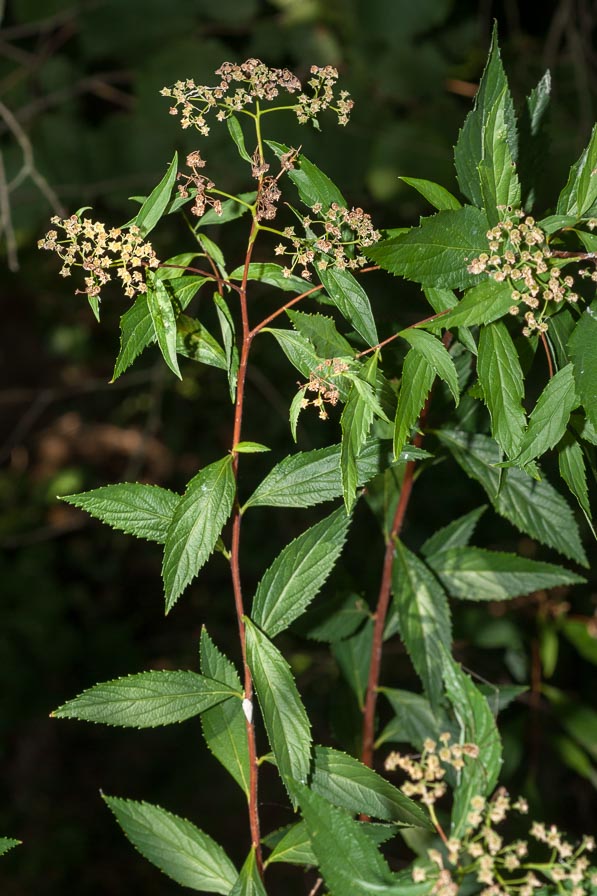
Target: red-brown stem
{"x": 426, "y": 320}
{"x": 547, "y": 355}
{"x": 247, "y": 338}
{"x": 385, "y": 590}
{"x": 283, "y": 308}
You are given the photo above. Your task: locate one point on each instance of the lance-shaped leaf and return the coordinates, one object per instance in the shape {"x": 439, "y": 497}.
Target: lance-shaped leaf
{"x": 500, "y": 375}
{"x": 417, "y": 379}
{"x": 272, "y": 274}
{"x": 579, "y": 196}
{"x": 423, "y": 617}
{"x": 435, "y": 194}
{"x": 350, "y": 863}
{"x": 534, "y": 137}
{"x": 484, "y": 303}
{"x": 158, "y": 200}
{"x": 298, "y": 572}
{"x": 292, "y": 844}
{"x": 286, "y": 722}
{"x": 456, "y": 534}
{"x": 136, "y": 333}
{"x": 313, "y": 185}
{"x": 470, "y": 150}
{"x": 583, "y": 353}
{"x": 438, "y": 251}
{"x": 226, "y": 322}
{"x": 500, "y": 186}
{"x": 145, "y": 511}
{"x": 478, "y": 574}
{"x": 302, "y": 355}
{"x": 477, "y": 726}
{"x": 352, "y": 302}
{"x": 346, "y": 782}
{"x": 322, "y": 333}
{"x": 414, "y": 719}
{"x": 147, "y": 700}
{"x": 357, "y": 417}
{"x": 7, "y": 843}
{"x": 353, "y": 655}
{"x": 236, "y": 132}
{"x": 312, "y": 477}
{"x": 175, "y": 846}
{"x": 196, "y": 526}
{"x": 231, "y": 209}
{"x": 224, "y": 725}
{"x": 534, "y": 507}
{"x": 249, "y": 882}
{"x": 164, "y": 322}
{"x": 194, "y": 341}
{"x": 572, "y": 470}
{"x": 437, "y": 356}
{"x": 549, "y": 418}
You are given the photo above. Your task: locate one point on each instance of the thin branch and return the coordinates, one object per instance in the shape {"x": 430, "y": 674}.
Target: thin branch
{"x": 6, "y": 220}
{"x": 281, "y": 310}
{"x": 547, "y": 354}
{"x": 391, "y": 338}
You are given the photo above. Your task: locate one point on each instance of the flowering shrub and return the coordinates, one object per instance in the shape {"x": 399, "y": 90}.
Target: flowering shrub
{"x": 478, "y": 264}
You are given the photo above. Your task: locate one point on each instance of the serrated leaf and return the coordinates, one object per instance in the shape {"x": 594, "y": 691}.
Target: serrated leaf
{"x": 136, "y": 333}
{"x": 583, "y": 353}
{"x": 195, "y": 342}
{"x": 423, "y": 617}
{"x": 477, "y": 726}
{"x": 313, "y": 185}
{"x": 456, "y": 534}
{"x": 145, "y": 511}
{"x": 417, "y": 379}
{"x": 291, "y": 845}
{"x": 322, "y": 333}
{"x": 561, "y": 326}
{"x": 549, "y": 418}
{"x": 294, "y": 412}
{"x": 272, "y": 274}
{"x": 7, "y": 843}
{"x": 438, "y": 251}
{"x": 344, "y": 781}
{"x": 301, "y": 354}
{"x": 502, "y": 381}
{"x": 533, "y": 137}
{"x": 436, "y": 195}
{"x": 337, "y": 619}
{"x": 313, "y": 477}
{"x": 477, "y": 574}
{"x": 414, "y": 720}
{"x": 249, "y": 882}
{"x": 469, "y": 150}
{"x": 352, "y": 302}
{"x": 226, "y": 322}
{"x": 164, "y": 322}
{"x": 436, "y": 355}
{"x": 534, "y": 507}
{"x": 353, "y": 655}
{"x": 500, "y": 186}
{"x": 236, "y": 132}
{"x": 175, "y": 846}
{"x": 146, "y": 700}
{"x": 286, "y": 722}
{"x": 196, "y": 525}
{"x": 224, "y": 725}
{"x": 357, "y": 417}
{"x": 482, "y": 304}
{"x": 297, "y": 574}
{"x": 156, "y": 203}
{"x": 572, "y": 470}
{"x": 580, "y": 193}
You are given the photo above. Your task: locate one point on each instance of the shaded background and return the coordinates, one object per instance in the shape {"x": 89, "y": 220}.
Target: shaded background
{"x": 82, "y": 123}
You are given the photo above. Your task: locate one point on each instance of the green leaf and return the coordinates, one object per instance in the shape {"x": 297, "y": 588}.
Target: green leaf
{"x": 230, "y": 349}
{"x": 572, "y": 470}
{"x": 549, "y": 418}
{"x": 250, "y": 448}
{"x": 213, "y": 251}
{"x": 313, "y": 185}
{"x": 424, "y": 618}
{"x": 249, "y": 882}
{"x": 477, "y": 574}
{"x": 195, "y": 342}
{"x": 291, "y": 845}
{"x": 297, "y": 574}
{"x": 502, "y": 381}
{"x": 231, "y": 210}
{"x": 500, "y": 186}
{"x": 272, "y": 274}
{"x": 477, "y": 726}
{"x": 353, "y": 655}
{"x": 350, "y": 863}
{"x": 456, "y": 534}
{"x": 312, "y": 477}
{"x": 534, "y": 137}
{"x": 145, "y": 511}
{"x": 414, "y": 720}
{"x": 357, "y": 417}
{"x": 436, "y": 355}
{"x": 534, "y": 507}
{"x": 164, "y": 322}
{"x": 294, "y": 412}
{"x": 561, "y": 326}
{"x": 286, "y": 722}
{"x": 438, "y": 251}
{"x": 436, "y": 195}
{"x": 322, "y": 333}
{"x": 175, "y": 846}
{"x": 236, "y": 132}
{"x": 583, "y": 353}
{"x": 301, "y": 354}
{"x": 146, "y": 700}
{"x": 344, "y": 781}
{"x": 471, "y": 147}
{"x": 580, "y": 193}
{"x": 483, "y": 304}
{"x": 417, "y": 379}
{"x": 337, "y": 619}
{"x": 352, "y": 302}
{"x": 156, "y": 203}
{"x": 7, "y": 843}
{"x": 224, "y": 725}
{"x": 196, "y": 525}
{"x": 136, "y": 333}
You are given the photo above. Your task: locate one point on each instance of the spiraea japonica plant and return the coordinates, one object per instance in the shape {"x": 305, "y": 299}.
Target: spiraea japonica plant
{"x": 504, "y": 286}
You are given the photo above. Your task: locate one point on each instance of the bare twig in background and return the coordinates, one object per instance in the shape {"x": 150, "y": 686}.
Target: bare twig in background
{"x": 6, "y": 227}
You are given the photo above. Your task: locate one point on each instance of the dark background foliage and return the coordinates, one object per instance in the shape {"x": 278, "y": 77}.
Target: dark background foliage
{"x": 80, "y": 107}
